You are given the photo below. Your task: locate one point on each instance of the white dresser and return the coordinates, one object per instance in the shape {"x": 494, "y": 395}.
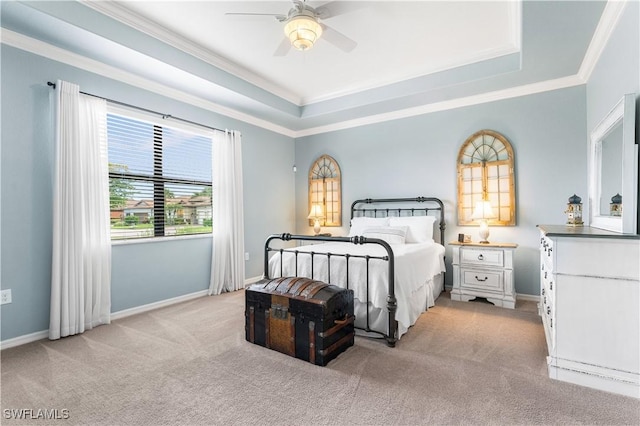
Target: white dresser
{"x": 484, "y": 270}
{"x": 590, "y": 307}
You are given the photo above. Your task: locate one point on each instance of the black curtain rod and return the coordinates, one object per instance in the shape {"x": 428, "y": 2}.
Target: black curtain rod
{"x": 164, "y": 116}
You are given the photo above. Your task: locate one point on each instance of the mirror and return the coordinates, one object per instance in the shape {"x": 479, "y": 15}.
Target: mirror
{"x": 610, "y": 169}
{"x": 614, "y": 170}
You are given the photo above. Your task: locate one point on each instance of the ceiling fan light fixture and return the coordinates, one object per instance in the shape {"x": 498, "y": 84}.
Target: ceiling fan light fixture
{"x": 302, "y": 31}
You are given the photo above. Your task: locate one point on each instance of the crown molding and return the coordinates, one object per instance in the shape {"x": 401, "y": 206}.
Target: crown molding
{"x": 132, "y": 19}
{"x": 498, "y": 95}
{"x": 608, "y": 22}
{"x": 469, "y": 60}
{"x": 40, "y": 48}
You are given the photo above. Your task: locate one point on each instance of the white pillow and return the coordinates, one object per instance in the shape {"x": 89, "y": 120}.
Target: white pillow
{"x": 359, "y": 224}
{"x": 420, "y": 227}
{"x": 390, "y": 234}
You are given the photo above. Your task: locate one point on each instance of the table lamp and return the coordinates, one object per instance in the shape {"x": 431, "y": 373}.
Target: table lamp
{"x": 481, "y": 213}
{"x": 316, "y": 214}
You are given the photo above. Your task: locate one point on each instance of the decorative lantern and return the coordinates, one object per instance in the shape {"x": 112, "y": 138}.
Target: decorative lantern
{"x": 574, "y": 211}
{"x": 615, "y": 208}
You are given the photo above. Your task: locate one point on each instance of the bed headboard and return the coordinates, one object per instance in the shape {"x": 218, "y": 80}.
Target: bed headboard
{"x": 387, "y": 207}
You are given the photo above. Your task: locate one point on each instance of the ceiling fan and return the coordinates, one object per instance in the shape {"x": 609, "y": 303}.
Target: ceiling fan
{"x": 302, "y": 27}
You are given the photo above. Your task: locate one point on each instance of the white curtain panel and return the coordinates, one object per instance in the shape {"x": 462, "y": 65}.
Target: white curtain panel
{"x": 227, "y": 265}
{"x": 81, "y": 266}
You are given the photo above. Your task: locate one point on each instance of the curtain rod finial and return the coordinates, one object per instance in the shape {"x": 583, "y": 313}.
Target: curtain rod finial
{"x": 51, "y": 84}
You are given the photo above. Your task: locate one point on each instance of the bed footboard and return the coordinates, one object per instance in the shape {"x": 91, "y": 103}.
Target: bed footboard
{"x": 390, "y": 336}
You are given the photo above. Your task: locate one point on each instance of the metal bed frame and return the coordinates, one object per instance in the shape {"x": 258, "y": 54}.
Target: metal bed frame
{"x": 360, "y": 208}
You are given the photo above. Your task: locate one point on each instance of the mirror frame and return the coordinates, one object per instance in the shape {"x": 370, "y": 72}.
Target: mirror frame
{"x": 624, "y": 114}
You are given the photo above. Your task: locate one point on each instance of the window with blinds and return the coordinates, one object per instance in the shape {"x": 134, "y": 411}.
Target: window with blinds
{"x": 159, "y": 179}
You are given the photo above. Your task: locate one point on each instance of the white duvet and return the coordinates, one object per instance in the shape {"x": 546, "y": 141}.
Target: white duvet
{"x": 415, "y": 266}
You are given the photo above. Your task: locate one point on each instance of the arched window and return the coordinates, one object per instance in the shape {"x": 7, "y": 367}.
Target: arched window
{"x": 486, "y": 173}
{"x": 325, "y": 190}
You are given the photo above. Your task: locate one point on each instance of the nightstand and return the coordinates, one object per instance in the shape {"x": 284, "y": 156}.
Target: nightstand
{"x": 484, "y": 270}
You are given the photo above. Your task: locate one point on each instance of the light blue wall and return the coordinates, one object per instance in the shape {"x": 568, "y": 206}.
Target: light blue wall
{"x": 407, "y": 157}
{"x": 142, "y": 272}
{"x": 617, "y": 72}
{"x": 549, "y": 133}
{"x": 618, "y": 69}
{"x": 417, "y": 157}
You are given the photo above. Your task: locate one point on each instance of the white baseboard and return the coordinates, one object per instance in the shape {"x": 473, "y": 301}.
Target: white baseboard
{"x": 519, "y": 296}
{"x": 155, "y": 305}
{"x": 252, "y": 280}
{"x": 529, "y": 297}
{"x": 23, "y": 340}
{"x": 39, "y": 335}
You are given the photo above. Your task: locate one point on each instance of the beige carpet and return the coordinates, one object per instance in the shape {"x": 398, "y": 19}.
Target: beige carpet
{"x": 462, "y": 363}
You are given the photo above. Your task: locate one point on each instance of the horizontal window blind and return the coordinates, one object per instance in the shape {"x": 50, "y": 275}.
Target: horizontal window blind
{"x": 159, "y": 179}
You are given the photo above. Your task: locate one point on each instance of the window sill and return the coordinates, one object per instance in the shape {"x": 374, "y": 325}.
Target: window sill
{"x": 158, "y": 239}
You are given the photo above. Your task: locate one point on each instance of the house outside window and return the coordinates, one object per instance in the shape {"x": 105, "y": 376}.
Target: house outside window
{"x": 159, "y": 177}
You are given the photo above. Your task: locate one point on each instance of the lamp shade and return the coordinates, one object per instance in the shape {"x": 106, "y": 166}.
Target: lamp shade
{"x": 302, "y": 31}
{"x": 483, "y": 210}
{"x": 316, "y": 212}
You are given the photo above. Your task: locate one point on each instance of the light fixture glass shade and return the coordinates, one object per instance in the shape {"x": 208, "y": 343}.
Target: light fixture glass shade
{"x": 302, "y": 31}
{"x": 483, "y": 210}
{"x": 481, "y": 213}
{"x": 316, "y": 214}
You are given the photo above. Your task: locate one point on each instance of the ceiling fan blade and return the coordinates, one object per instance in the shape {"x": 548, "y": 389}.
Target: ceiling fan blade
{"x": 335, "y": 8}
{"x": 338, "y": 39}
{"x": 283, "y": 47}
{"x": 280, "y": 17}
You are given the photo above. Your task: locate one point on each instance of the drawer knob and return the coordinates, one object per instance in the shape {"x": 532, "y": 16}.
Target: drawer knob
{"x": 480, "y": 279}
{"x": 548, "y": 311}
{"x": 480, "y": 257}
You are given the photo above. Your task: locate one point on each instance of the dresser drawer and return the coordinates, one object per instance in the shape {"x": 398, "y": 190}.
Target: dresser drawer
{"x": 479, "y": 279}
{"x": 546, "y": 252}
{"x": 476, "y": 256}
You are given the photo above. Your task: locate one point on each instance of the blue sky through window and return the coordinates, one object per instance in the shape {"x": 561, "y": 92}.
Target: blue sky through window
{"x": 185, "y": 155}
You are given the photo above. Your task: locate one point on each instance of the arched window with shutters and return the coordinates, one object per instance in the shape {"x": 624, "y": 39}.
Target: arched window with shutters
{"x": 486, "y": 173}
{"x": 325, "y": 190}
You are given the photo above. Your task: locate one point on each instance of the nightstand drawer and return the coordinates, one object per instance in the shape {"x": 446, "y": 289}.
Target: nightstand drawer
{"x": 486, "y": 280}
{"x": 483, "y": 270}
{"x": 474, "y": 256}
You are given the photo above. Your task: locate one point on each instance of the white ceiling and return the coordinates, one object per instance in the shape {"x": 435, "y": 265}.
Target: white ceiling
{"x": 411, "y": 57}
{"x": 397, "y": 40}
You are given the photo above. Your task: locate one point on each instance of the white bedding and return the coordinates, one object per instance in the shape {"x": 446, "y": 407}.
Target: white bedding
{"x": 416, "y": 266}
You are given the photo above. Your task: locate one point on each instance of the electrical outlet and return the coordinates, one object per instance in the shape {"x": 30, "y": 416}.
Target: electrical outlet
{"x": 246, "y": 256}
{"x": 5, "y": 296}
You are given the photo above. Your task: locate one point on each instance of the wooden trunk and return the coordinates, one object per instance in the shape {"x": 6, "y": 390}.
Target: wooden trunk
{"x": 300, "y": 317}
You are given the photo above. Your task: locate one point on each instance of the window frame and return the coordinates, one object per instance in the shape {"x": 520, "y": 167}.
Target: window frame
{"x": 157, "y": 179}
{"x": 323, "y": 180}
{"x": 503, "y": 196}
